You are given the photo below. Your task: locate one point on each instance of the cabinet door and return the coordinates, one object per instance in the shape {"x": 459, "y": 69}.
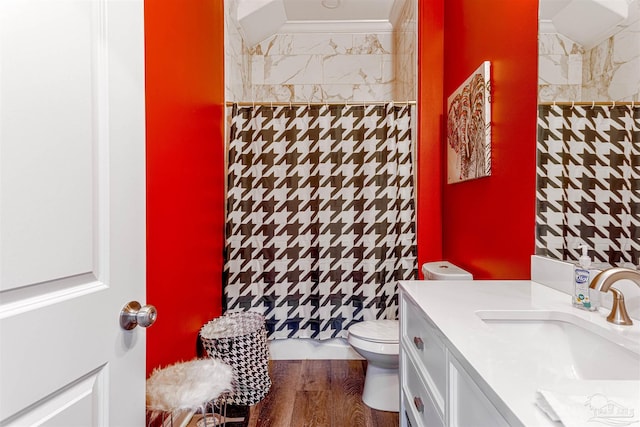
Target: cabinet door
{"x": 468, "y": 406}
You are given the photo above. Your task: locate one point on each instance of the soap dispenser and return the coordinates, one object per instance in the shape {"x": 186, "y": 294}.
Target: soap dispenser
{"x": 581, "y": 280}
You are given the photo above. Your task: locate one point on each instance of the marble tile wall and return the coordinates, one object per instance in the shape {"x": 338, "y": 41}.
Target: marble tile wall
{"x": 608, "y": 72}
{"x": 559, "y": 68}
{"x": 323, "y": 67}
{"x": 236, "y": 62}
{"x": 612, "y": 69}
{"x": 406, "y": 57}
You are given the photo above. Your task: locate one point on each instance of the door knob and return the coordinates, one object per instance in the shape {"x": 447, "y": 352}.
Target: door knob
{"x": 133, "y": 314}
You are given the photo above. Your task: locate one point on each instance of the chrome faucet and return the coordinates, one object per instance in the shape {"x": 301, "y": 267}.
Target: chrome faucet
{"x": 603, "y": 281}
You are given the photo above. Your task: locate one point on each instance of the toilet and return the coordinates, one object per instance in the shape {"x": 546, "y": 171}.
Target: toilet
{"x": 378, "y": 341}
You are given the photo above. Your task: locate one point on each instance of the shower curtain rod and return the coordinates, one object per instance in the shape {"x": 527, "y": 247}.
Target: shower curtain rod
{"x": 592, "y": 103}
{"x": 305, "y": 104}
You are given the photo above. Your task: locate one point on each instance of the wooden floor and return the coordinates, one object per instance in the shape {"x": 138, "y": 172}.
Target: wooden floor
{"x": 325, "y": 393}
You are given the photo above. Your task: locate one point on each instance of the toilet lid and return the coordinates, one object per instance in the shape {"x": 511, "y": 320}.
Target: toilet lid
{"x": 385, "y": 331}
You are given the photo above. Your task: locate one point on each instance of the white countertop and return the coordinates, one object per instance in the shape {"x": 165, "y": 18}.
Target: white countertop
{"x": 512, "y": 372}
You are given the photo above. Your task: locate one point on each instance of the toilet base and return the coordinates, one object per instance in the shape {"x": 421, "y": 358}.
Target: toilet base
{"x": 381, "y": 388}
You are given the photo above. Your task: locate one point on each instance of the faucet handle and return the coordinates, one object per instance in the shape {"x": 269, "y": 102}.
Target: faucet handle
{"x": 618, "y": 315}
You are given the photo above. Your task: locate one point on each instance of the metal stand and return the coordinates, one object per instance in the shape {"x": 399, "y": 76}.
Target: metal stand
{"x": 189, "y": 394}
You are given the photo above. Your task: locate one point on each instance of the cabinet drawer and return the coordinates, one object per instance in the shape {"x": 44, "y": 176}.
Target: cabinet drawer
{"x": 417, "y": 400}
{"x": 407, "y": 417}
{"x": 421, "y": 338}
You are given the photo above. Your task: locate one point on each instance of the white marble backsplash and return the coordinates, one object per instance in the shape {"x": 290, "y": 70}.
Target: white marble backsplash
{"x": 608, "y": 72}
{"x": 323, "y": 66}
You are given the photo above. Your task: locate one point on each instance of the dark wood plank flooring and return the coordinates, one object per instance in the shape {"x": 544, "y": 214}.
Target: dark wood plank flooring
{"x": 322, "y": 393}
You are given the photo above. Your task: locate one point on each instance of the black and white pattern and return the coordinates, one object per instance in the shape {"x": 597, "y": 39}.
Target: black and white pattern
{"x": 588, "y": 182}
{"x": 240, "y": 341}
{"x": 320, "y": 215}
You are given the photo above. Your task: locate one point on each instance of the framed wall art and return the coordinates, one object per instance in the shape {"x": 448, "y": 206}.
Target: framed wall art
{"x": 469, "y": 127}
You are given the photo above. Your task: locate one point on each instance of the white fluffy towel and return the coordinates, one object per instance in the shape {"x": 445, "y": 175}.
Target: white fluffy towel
{"x": 187, "y": 385}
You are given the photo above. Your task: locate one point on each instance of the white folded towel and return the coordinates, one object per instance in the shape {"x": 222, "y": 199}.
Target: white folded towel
{"x": 592, "y": 403}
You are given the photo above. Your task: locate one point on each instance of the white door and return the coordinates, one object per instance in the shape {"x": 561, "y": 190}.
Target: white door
{"x": 72, "y": 212}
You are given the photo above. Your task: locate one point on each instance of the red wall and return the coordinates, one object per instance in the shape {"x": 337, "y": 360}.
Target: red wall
{"x": 185, "y": 172}
{"x": 429, "y": 147}
{"x": 488, "y": 223}
{"x": 185, "y": 154}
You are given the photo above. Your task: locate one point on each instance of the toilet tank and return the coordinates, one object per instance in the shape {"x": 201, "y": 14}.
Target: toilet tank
{"x": 444, "y": 270}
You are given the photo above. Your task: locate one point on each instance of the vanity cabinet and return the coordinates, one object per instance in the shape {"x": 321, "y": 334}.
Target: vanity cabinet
{"x": 435, "y": 388}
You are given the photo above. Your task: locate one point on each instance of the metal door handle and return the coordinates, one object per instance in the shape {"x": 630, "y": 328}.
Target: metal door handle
{"x": 133, "y": 314}
{"x": 418, "y": 404}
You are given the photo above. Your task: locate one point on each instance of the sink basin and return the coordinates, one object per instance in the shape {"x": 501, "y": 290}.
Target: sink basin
{"x": 567, "y": 345}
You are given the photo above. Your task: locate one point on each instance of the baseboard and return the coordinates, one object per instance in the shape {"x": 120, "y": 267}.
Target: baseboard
{"x": 309, "y": 349}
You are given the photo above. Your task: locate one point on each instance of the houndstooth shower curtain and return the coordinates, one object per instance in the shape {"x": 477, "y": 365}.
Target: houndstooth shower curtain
{"x": 588, "y": 182}
{"x": 320, "y": 215}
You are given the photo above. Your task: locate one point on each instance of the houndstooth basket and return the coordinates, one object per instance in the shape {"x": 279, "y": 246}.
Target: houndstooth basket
{"x": 240, "y": 340}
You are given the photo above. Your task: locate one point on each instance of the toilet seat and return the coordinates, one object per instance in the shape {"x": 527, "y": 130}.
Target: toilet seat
{"x": 364, "y": 347}
{"x": 377, "y": 331}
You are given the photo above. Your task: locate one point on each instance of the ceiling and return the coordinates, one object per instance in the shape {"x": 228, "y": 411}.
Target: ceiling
{"x": 345, "y": 10}
{"x": 260, "y": 19}
{"x": 586, "y": 22}
{"x": 549, "y": 8}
